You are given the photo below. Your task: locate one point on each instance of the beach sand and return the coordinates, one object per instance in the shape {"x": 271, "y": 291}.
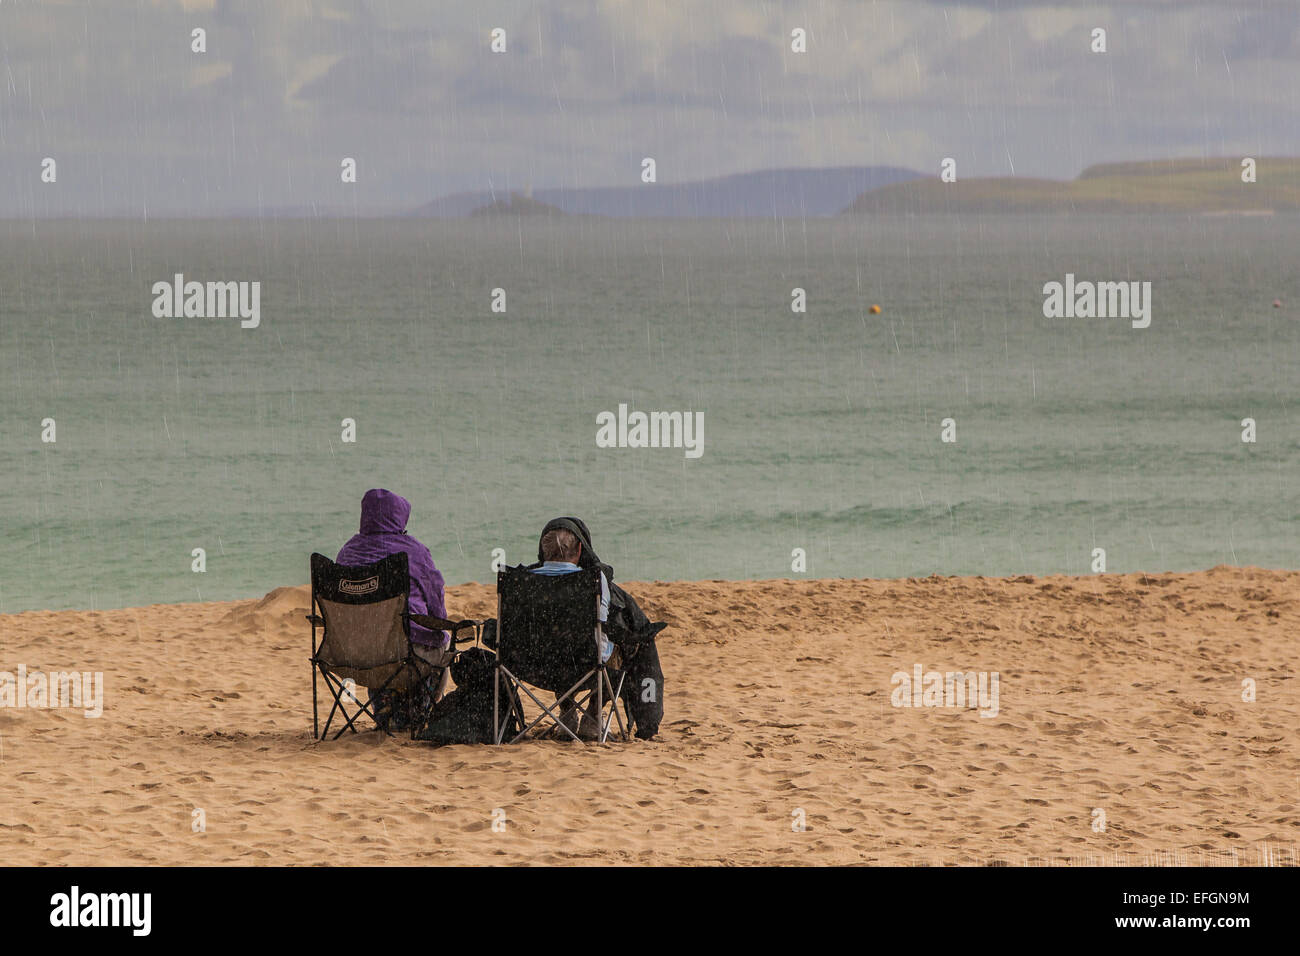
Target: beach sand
{"x": 1117, "y": 693}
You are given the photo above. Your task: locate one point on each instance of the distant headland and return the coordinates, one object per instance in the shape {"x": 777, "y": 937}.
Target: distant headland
{"x": 1215, "y": 186}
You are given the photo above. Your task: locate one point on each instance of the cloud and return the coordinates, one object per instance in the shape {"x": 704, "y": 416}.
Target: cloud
{"x": 411, "y": 90}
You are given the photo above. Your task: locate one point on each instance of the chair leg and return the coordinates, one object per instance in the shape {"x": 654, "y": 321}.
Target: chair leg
{"x": 315, "y": 711}
{"x": 350, "y": 721}
{"x": 335, "y": 708}
{"x": 517, "y": 706}
{"x": 604, "y": 694}
{"x": 329, "y": 719}
{"x": 623, "y": 729}
{"x": 338, "y": 689}
{"x": 496, "y": 706}
{"x": 548, "y": 711}
{"x": 614, "y": 696}
{"x": 500, "y": 726}
{"x": 602, "y": 682}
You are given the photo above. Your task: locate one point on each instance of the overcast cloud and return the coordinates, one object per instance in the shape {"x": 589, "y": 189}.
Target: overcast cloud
{"x": 287, "y": 88}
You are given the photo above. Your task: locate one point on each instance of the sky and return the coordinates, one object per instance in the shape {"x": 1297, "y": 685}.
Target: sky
{"x": 139, "y": 123}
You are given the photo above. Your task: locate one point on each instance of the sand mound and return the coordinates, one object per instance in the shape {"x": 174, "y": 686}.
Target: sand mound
{"x": 282, "y": 607}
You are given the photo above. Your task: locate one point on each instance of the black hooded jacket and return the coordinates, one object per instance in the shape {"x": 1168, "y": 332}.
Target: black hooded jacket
{"x": 629, "y": 629}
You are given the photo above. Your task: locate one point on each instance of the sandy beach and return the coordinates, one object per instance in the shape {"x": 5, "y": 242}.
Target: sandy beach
{"x": 1120, "y": 735}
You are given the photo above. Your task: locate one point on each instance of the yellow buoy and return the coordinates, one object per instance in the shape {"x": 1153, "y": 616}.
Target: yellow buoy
{"x": 874, "y": 310}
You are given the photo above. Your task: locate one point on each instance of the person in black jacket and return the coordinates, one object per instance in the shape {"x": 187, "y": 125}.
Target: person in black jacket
{"x": 630, "y": 630}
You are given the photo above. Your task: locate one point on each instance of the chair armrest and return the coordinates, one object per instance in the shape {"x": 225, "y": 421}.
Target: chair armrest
{"x": 442, "y": 624}
{"x": 316, "y": 620}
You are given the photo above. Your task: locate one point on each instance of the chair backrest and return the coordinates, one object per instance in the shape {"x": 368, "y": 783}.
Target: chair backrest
{"x": 546, "y": 628}
{"x": 364, "y": 610}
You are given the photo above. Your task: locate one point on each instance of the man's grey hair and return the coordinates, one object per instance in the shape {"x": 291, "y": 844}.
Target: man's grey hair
{"x": 561, "y": 545}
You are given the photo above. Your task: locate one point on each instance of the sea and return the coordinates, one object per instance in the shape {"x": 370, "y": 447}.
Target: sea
{"x": 465, "y": 364}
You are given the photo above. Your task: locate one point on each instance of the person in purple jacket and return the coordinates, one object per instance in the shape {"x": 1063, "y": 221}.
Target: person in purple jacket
{"x": 383, "y": 532}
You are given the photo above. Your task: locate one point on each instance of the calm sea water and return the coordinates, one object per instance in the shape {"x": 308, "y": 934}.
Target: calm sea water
{"x": 822, "y": 431}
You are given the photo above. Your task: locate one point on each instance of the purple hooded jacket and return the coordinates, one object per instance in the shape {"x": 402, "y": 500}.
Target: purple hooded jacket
{"x": 383, "y": 532}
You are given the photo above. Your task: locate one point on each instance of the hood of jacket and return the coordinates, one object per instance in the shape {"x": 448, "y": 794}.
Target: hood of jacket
{"x": 589, "y": 558}
{"x": 383, "y": 512}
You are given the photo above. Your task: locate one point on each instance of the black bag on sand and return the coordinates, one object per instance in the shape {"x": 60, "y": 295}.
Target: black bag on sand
{"x": 465, "y": 715}
{"x": 643, "y": 683}
{"x": 643, "y": 689}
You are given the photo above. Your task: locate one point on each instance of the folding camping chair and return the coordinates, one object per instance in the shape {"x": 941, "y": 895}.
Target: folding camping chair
{"x": 546, "y": 637}
{"x": 361, "y": 616}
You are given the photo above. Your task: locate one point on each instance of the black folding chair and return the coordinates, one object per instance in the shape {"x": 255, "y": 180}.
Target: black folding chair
{"x": 360, "y": 616}
{"x": 546, "y": 637}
